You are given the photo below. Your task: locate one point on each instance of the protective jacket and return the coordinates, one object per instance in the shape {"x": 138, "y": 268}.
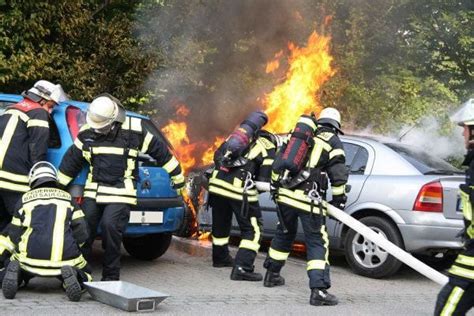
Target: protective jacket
{"x": 24, "y": 134}
{"x": 326, "y": 156}
{"x": 45, "y": 233}
{"x": 113, "y": 160}
{"x": 463, "y": 267}
{"x": 230, "y": 181}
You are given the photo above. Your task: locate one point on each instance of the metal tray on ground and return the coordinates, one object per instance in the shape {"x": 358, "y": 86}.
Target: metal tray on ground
{"x": 125, "y": 295}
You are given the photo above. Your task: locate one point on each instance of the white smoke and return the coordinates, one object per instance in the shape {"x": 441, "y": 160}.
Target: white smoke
{"x": 429, "y": 136}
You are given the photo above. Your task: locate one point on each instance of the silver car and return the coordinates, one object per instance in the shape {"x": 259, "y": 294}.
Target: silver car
{"x": 403, "y": 193}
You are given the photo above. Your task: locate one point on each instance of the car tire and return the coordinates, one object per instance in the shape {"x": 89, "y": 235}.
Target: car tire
{"x": 147, "y": 247}
{"x": 367, "y": 259}
{"x": 187, "y": 226}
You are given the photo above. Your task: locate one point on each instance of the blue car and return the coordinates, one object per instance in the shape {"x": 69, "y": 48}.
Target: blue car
{"x": 159, "y": 211}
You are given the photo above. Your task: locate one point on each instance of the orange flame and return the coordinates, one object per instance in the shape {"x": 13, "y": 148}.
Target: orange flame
{"x": 189, "y": 154}
{"x": 275, "y": 63}
{"x": 176, "y": 133}
{"x": 208, "y": 155}
{"x": 309, "y": 69}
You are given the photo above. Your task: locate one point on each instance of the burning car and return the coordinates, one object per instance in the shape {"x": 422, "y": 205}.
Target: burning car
{"x": 401, "y": 192}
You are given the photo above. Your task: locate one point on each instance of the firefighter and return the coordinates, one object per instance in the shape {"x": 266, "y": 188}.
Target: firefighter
{"x": 457, "y": 296}
{"x": 302, "y": 200}
{"x": 24, "y": 133}
{"x": 43, "y": 237}
{"x": 244, "y": 157}
{"x": 110, "y": 143}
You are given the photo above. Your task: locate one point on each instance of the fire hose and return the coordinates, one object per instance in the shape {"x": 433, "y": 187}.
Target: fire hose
{"x": 380, "y": 241}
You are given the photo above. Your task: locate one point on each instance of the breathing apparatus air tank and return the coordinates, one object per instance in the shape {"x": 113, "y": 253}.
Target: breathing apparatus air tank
{"x": 238, "y": 142}
{"x": 290, "y": 161}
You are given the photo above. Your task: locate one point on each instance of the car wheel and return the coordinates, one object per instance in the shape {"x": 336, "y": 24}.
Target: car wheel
{"x": 147, "y": 247}
{"x": 368, "y": 259}
{"x": 187, "y": 228}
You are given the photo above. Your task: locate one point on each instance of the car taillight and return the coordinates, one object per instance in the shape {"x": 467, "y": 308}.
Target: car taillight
{"x": 430, "y": 198}
{"x": 73, "y": 116}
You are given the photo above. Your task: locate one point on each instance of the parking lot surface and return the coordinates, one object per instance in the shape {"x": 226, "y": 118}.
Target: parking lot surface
{"x": 186, "y": 274}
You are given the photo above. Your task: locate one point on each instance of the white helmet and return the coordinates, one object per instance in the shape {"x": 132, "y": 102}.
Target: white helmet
{"x": 465, "y": 114}
{"x": 42, "y": 172}
{"x": 49, "y": 91}
{"x": 332, "y": 117}
{"x": 103, "y": 111}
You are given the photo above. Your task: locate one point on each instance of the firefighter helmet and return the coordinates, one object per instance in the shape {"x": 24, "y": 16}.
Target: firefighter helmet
{"x": 465, "y": 114}
{"x": 42, "y": 172}
{"x": 48, "y": 91}
{"x": 331, "y": 117}
{"x": 103, "y": 111}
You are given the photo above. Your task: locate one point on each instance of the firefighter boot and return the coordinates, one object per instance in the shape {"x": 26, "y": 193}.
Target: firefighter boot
{"x": 11, "y": 280}
{"x": 322, "y": 297}
{"x": 273, "y": 279}
{"x": 240, "y": 274}
{"x": 228, "y": 262}
{"x": 71, "y": 284}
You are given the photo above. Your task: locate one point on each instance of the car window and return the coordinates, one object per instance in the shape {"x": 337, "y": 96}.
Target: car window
{"x": 424, "y": 162}
{"x": 350, "y": 150}
{"x": 359, "y": 163}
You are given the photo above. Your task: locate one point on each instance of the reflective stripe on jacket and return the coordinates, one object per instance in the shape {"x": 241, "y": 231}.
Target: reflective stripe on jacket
{"x": 229, "y": 182}
{"x": 45, "y": 232}
{"x": 24, "y": 136}
{"x": 327, "y": 155}
{"x": 113, "y": 161}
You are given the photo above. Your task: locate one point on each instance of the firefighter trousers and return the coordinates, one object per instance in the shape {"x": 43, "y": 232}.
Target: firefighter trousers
{"x": 457, "y": 297}
{"x": 250, "y": 230}
{"x": 316, "y": 240}
{"x": 8, "y": 201}
{"x": 113, "y": 219}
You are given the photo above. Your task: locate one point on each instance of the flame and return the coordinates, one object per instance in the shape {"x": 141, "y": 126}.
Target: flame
{"x": 309, "y": 68}
{"x": 275, "y": 63}
{"x": 208, "y": 155}
{"x": 189, "y": 154}
{"x": 176, "y": 133}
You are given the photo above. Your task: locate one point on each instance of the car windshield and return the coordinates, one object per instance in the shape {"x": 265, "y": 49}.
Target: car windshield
{"x": 424, "y": 162}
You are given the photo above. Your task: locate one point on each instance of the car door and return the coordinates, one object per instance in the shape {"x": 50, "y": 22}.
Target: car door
{"x": 359, "y": 159}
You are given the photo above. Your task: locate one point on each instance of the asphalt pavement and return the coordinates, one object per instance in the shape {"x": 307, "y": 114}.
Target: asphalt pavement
{"x": 186, "y": 274}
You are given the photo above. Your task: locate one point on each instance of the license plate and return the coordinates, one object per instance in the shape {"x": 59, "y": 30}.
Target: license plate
{"x": 137, "y": 217}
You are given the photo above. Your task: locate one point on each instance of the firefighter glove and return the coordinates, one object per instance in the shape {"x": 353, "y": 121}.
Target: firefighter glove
{"x": 339, "y": 201}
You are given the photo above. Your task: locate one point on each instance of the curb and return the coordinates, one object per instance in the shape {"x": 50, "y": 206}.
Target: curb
{"x": 203, "y": 248}
{"x": 194, "y": 247}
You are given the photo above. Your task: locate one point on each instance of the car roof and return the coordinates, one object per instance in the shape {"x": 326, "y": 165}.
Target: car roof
{"x": 82, "y": 105}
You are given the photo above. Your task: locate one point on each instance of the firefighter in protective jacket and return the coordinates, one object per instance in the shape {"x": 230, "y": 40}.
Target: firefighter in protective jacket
{"x": 244, "y": 157}
{"x": 110, "y": 143}
{"x": 43, "y": 237}
{"x": 457, "y": 297}
{"x": 302, "y": 199}
{"x": 24, "y": 133}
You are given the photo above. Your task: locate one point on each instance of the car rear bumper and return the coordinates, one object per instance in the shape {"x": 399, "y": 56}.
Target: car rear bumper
{"x": 424, "y": 231}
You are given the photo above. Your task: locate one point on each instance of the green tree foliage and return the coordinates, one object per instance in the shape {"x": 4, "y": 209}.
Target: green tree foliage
{"x": 87, "y": 46}
{"x": 395, "y": 62}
